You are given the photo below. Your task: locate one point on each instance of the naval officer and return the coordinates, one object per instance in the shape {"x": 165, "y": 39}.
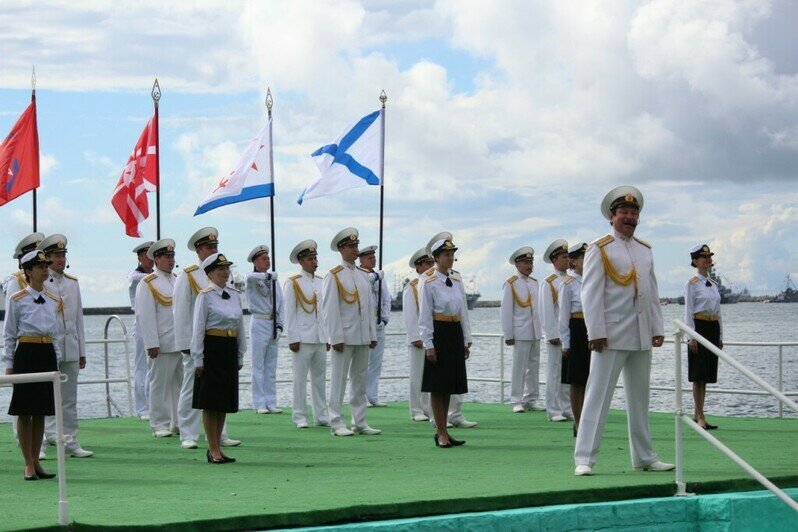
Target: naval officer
{"x": 16, "y": 281}
{"x": 381, "y": 300}
{"x": 521, "y": 327}
{"x": 421, "y": 261}
{"x": 351, "y": 331}
{"x": 72, "y": 339}
{"x": 262, "y": 293}
{"x": 558, "y": 403}
{"x": 620, "y": 301}
{"x": 189, "y": 282}
{"x": 307, "y": 338}
{"x": 156, "y": 325}
{"x": 140, "y": 386}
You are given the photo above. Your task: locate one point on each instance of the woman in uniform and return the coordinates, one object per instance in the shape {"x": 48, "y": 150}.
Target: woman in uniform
{"x": 702, "y": 313}
{"x": 443, "y": 324}
{"x": 30, "y": 327}
{"x": 218, "y": 346}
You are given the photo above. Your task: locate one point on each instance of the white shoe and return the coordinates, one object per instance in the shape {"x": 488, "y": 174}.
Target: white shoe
{"x": 343, "y": 431}
{"x": 378, "y": 404}
{"x": 80, "y": 452}
{"x": 262, "y": 411}
{"x": 464, "y": 424}
{"x": 558, "y": 417}
{"x": 230, "y": 442}
{"x": 534, "y": 407}
{"x": 188, "y": 444}
{"x": 275, "y": 410}
{"x": 42, "y": 455}
{"x": 656, "y": 466}
{"x": 519, "y": 409}
{"x": 420, "y": 417}
{"x": 302, "y": 425}
{"x": 583, "y": 471}
{"x": 162, "y": 433}
{"x": 367, "y": 431}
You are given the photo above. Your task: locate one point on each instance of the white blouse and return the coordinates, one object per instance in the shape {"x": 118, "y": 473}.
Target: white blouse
{"x": 211, "y": 311}
{"x": 25, "y": 317}
{"x": 438, "y": 298}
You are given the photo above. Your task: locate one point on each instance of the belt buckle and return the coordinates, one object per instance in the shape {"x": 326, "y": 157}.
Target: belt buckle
{"x": 229, "y": 332}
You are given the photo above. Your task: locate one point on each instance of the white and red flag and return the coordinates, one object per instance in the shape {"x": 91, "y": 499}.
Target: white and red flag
{"x": 139, "y": 177}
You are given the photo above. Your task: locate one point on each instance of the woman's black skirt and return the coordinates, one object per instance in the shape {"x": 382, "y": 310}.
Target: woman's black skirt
{"x": 217, "y": 388}
{"x": 577, "y": 363}
{"x": 448, "y": 374}
{"x": 703, "y": 365}
{"x": 35, "y": 398}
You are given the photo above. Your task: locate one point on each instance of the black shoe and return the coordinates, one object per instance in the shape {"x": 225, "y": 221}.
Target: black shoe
{"x": 456, "y": 443}
{"x": 42, "y": 474}
{"x": 32, "y": 477}
{"x": 212, "y": 460}
{"x": 711, "y": 427}
{"x": 442, "y": 445}
{"x": 574, "y": 431}
{"x": 228, "y": 459}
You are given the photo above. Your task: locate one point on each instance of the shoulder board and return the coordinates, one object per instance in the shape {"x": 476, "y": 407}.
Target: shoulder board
{"x": 52, "y": 295}
{"x": 694, "y": 280}
{"x": 151, "y": 277}
{"x": 414, "y": 282}
{"x": 455, "y": 276}
{"x": 642, "y": 242}
{"x": 568, "y": 279}
{"x": 70, "y": 276}
{"x": 19, "y": 295}
{"x": 191, "y": 268}
{"x": 295, "y": 277}
{"x": 512, "y": 279}
{"x": 206, "y": 290}
{"x": 603, "y": 241}
{"x": 550, "y": 278}
{"x": 336, "y": 269}
{"x": 429, "y": 273}
{"x": 19, "y": 275}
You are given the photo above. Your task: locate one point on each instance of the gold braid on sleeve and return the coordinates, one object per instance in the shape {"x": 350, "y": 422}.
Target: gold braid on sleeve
{"x": 159, "y": 298}
{"x": 522, "y": 304}
{"x": 348, "y": 297}
{"x": 307, "y": 305}
{"x": 193, "y": 284}
{"x": 554, "y": 296}
{"x": 617, "y": 278}
{"x": 415, "y": 295}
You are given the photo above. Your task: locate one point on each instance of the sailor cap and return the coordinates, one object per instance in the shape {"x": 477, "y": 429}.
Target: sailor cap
{"x": 522, "y": 254}
{"x": 577, "y": 249}
{"x": 555, "y": 248}
{"x": 29, "y": 243}
{"x": 306, "y": 248}
{"x": 442, "y": 245}
{"x": 368, "y": 250}
{"x": 257, "y": 251}
{"x": 217, "y": 260}
{"x": 445, "y": 235}
{"x": 32, "y": 258}
{"x": 422, "y": 255}
{"x": 345, "y": 237}
{"x": 53, "y": 244}
{"x": 623, "y": 195}
{"x": 206, "y": 235}
{"x": 144, "y": 246}
{"x": 162, "y": 247}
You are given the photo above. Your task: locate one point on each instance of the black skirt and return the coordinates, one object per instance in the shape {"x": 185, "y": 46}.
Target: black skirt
{"x": 577, "y": 363}
{"x": 35, "y": 398}
{"x": 703, "y": 365}
{"x": 448, "y": 374}
{"x": 217, "y": 388}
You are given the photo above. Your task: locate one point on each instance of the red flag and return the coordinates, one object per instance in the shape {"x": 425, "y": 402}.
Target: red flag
{"x": 138, "y": 179}
{"x": 19, "y": 157}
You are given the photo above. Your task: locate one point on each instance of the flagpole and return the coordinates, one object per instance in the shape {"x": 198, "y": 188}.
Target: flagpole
{"x": 156, "y": 97}
{"x": 33, "y": 101}
{"x": 269, "y": 105}
{"x": 383, "y": 99}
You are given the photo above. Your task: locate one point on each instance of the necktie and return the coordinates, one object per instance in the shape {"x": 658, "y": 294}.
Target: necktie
{"x": 448, "y": 282}
{"x": 708, "y": 283}
{"x": 225, "y": 295}
{"x": 39, "y": 300}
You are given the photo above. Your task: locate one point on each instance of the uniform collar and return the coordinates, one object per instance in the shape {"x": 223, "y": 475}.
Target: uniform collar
{"x": 162, "y": 273}
{"x": 621, "y": 236}
{"x": 558, "y": 273}
{"x": 575, "y": 275}
{"x": 701, "y": 277}
{"x": 216, "y": 288}
{"x": 306, "y": 274}
{"x": 32, "y": 291}
{"x": 55, "y": 274}
{"x": 348, "y": 265}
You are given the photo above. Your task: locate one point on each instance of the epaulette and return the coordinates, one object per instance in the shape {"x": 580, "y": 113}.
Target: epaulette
{"x": 206, "y": 290}
{"x": 191, "y": 268}
{"x": 19, "y": 295}
{"x": 550, "y": 278}
{"x": 456, "y": 276}
{"x": 642, "y": 242}
{"x": 20, "y": 275}
{"x": 694, "y": 280}
{"x": 336, "y": 269}
{"x": 150, "y": 278}
{"x": 512, "y": 279}
{"x": 603, "y": 241}
{"x": 414, "y": 282}
{"x": 70, "y": 276}
{"x": 568, "y": 279}
{"x": 295, "y": 277}
{"x": 430, "y": 272}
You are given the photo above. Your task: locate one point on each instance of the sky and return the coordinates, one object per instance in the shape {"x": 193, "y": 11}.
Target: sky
{"x": 506, "y": 124}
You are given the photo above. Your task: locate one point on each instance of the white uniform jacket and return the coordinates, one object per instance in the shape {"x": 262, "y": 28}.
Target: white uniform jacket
{"x": 519, "y": 309}
{"x": 570, "y": 297}
{"x": 410, "y": 306}
{"x": 213, "y": 311}
{"x": 620, "y": 305}
{"x": 13, "y": 284}
{"x": 698, "y": 297}
{"x": 189, "y": 283}
{"x": 25, "y": 317}
{"x": 304, "y": 320}
{"x": 549, "y": 304}
{"x": 347, "y": 305}
{"x": 72, "y": 338}
{"x": 259, "y": 295}
{"x": 437, "y": 298}
{"x": 134, "y": 278}
{"x": 154, "y": 315}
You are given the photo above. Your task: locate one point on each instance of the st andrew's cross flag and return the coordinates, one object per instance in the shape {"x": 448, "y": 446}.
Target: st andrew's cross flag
{"x": 139, "y": 178}
{"x": 19, "y": 157}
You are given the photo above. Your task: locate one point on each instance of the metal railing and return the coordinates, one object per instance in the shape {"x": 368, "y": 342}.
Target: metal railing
{"x": 682, "y": 418}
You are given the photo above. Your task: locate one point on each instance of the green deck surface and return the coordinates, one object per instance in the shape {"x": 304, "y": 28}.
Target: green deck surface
{"x": 290, "y": 477}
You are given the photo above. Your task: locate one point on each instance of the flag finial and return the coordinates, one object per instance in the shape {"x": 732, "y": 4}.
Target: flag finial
{"x": 383, "y": 98}
{"x": 156, "y": 92}
{"x": 269, "y": 100}
{"x": 33, "y": 79}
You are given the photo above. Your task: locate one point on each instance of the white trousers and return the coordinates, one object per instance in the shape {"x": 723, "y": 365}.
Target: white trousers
{"x": 455, "y": 413}
{"x": 605, "y": 368}
{"x": 165, "y": 377}
{"x": 558, "y": 398}
{"x": 69, "y": 401}
{"x": 313, "y": 358}
{"x": 524, "y": 382}
{"x": 419, "y": 401}
{"x": 375, "y": 368}
{"x": 189, "y": 419}
{"x": 353, "y": 360}
{"x": 141, "y": 384}
{"x": 264, "y": 363}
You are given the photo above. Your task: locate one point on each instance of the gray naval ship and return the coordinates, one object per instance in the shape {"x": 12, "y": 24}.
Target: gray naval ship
{"x": 472, "y": 295}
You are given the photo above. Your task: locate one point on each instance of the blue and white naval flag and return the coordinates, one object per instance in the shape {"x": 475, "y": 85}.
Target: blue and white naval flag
{"x": 251, "y": 178}
{"x": 352, "y": 161}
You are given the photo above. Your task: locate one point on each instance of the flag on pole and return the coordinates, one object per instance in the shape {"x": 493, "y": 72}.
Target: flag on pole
{"x": 352, "y": 161}
{"x": 137, "y": 180}
{"x": 19, "y": 157}
{"x": 251, "y": 178}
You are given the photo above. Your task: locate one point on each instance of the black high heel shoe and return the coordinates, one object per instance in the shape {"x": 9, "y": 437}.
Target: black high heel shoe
{"x": 228, "y": 459}
{"x": 212, "y": 460}
{"x": 456, "y": 443}
{"x": 45, "y": 475}
{"x": 441, "y": 445}
{"x": 32, "y": 477}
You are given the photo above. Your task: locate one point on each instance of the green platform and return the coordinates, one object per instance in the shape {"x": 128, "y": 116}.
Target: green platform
{"x": 291, "y": 477}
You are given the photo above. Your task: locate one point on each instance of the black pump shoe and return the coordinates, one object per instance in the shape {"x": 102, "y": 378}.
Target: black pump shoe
{"x": 32, "y": 477}
{"x": 456, "y": 443}
{"x": 228, "y": 459}
{"x": 45, "y": 475}
{"x": 212, "y": 460}
{"x": 442, "y": 445}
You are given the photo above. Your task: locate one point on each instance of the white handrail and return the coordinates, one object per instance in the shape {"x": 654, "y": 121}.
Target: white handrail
{"x": 681, "y": 417}
{"x": 56, "y": 378}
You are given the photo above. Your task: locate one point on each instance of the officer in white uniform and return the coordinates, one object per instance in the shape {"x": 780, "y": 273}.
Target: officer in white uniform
{"x": 381, "y": 300}
{"x": 558, "y": 403}
{"x": 73, "y": 343}
{"x": 522, "y": 330}
{"x": 262, "y": 291}
{"x": 156, "y": 325}
{"x": 189, "y": 283}
{"x": 307, "y": 338}
{"x": 351, "y": 330}
{"x": 624, "y": 320}
{"x": 421, "y": 261}
{"x": 140, "y": 387}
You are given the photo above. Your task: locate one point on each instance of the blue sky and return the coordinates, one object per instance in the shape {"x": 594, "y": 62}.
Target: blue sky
{"x": 507, "y": 123}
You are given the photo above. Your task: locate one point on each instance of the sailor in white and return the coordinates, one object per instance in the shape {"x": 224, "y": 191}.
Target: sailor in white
{"x": 351, "y": 331}
{"x": 307, "y": 338}
{"x": 421, "y": 261}
{"x": 262, "y": 293}
{"x": 624, "y": 320}
{"x": 16, "y": 281}
{"x": 522, "y": 330}
{"x": 156, "y": 325}
{"x": 140, "y": 385}
{"x": 381, "y": 300}
{"x": 189, "y": 283}
{"x": 73, "y": 343}
{"x": 558, "y": 403}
